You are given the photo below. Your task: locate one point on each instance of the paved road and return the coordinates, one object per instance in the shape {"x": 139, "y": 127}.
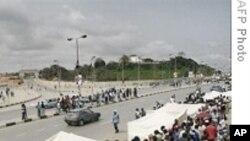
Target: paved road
{"x": 15, "y": 112}
{"x": 101, "y": 130}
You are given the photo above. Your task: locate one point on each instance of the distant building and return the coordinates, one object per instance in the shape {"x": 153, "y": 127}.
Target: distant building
{"x": 135, "y": 59}
{"x": 32, "y": 73}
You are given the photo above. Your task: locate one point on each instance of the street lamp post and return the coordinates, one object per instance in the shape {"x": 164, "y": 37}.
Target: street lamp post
{"x": 169, "y": 71}
{"x": 139, "y": 70}
{"x": 154, "y": 68}
{"x": 202, "y": 67}
{"x": 77, "y": 49}
{"x": 58, "y": 74}
{"x": 122, "y": 72}
{"x": 93, "y": 74}
{"x": 175, "y": 68}
{"x": 77, "y": 61}
{"x": 200, "y": 72}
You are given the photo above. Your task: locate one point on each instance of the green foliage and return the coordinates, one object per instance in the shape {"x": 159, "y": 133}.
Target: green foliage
{"x": 148, "y": 60}
{"x": 113, "y": 70}
{"x": 99, "y": 62}
{"x": 112, "y": 65}
{"x": 124, "y": 60}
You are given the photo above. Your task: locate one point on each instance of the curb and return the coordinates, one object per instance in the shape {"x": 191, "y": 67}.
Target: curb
{"x": 20, "y": 102}
{"x": 28, "y": 120}
{"x": 10, "y": 124}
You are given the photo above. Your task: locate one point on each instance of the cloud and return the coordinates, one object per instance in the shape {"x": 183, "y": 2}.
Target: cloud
{"x": 156, "y": 49}
{"x": 212, "y": 44}
{"x": 34, "y": 32}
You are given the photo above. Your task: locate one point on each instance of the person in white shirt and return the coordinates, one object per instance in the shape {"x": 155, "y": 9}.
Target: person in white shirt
{"x": 172, "y": 99}
{"x": 116, "y": 121}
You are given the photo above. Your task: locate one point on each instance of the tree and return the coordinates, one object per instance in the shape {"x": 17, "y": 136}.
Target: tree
{"x": 148, "y": 60}
{"x": 99, "y": 62}
{"x": 124, "y": 60}
{"x": 112, "y": 65}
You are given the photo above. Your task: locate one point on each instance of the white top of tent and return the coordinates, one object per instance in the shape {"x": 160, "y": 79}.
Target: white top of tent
{"x": 63, "y": 136}
{"x": 228, "y": 93}
{"x": 146, "y": 125}
{"x": 164, "y": 116}
{"x": 192, "y": 109}
{"x": 214, "y": 94}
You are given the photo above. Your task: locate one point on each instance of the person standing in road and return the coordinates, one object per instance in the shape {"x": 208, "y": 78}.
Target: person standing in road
{"x": 135, "y": 92}
{"x": 24, "y": 112}
{"x": 115, "y": 121}
{"x": 137, "y": 113}
{"x": 172, "y": 99}
{"x": 58, "y": 106}
{"x": 38, "y": 107}
{"x": 143, "y": 113}
{"x": 42, "y": 110}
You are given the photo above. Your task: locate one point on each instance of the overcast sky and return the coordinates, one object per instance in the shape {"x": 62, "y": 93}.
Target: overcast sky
{"x": 34, "y": 32}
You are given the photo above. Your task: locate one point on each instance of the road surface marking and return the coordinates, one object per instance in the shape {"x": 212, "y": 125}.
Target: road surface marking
{"x": 106, "y": 122}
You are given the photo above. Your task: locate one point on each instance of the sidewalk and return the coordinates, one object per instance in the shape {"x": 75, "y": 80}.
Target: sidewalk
{"x": 22, "y": 95}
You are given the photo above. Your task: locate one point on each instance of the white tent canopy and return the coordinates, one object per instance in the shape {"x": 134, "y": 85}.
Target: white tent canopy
{"x": 213, "y": 94}
{"x": 228, "y": 93}
{"x": 63, "y": 136}
{"x": 163, "y": 116}
{"x": 146, "y": 125}
{"x": 192, "y": 109}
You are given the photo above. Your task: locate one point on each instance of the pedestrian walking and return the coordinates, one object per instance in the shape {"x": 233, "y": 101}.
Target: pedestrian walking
{"x": 135, "y": 92}
{"x": 42, "y": 110}
{"x": 127, "y": 92}
{"x": 24, "y": 112}
{"x": 38, "y": 107}
{"x": 98, "y": 99}
{"x": 58, "y": 106}
{"x": 106, "y": 98}
{"x": 115, "y": 121}
{"x": 119, "y": 96}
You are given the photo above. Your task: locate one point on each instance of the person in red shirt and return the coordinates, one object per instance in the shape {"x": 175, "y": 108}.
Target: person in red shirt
{"x": 211, "y": 132}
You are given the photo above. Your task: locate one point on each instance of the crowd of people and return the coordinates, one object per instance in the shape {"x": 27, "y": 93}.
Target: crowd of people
{"x": 158, "y": 105}
{"x": 6, "y": 94}
{"x": 194, "y": 98}
{"x": 139, "y": 113}
{"x": 209, "y": 124}
{"x": 67, "y": 102}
